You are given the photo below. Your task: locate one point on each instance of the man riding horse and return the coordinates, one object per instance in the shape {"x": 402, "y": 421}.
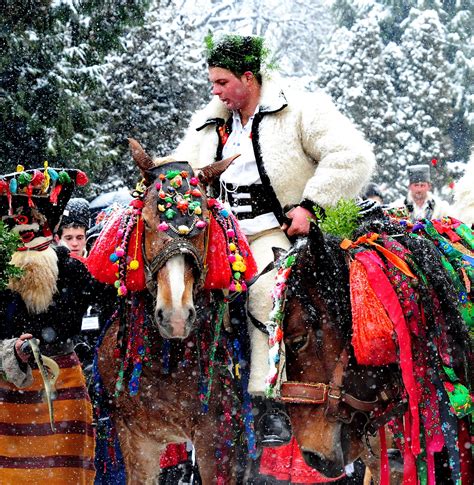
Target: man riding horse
{"x": 297, "y": 151}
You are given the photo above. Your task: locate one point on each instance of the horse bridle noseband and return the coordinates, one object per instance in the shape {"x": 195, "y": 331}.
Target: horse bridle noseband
{"x": 174, "y": 247}
{"x": 333, "y": 394}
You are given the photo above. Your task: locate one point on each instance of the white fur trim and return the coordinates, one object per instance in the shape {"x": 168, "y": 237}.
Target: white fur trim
{"x": 10, "y": 366}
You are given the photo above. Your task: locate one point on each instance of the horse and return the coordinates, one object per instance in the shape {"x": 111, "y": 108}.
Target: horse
{"x": 168, "y": 407}
{"x": 335, "y": 404}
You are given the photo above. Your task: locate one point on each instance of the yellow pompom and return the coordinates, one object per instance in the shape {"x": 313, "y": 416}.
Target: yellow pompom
{"x": 134, "y": 264}
{"x": 238, "y": 257}
{"x": 20, "y": 168}
{"x": 232, "y": 247}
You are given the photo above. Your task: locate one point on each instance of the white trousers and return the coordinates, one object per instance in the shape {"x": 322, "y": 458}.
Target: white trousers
{"x": 260, "y": 303}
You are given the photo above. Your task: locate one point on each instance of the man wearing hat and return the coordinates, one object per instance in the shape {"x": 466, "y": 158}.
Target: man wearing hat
{"x": 47, "y": 300}
{"x": 296, "y": 151}
{"x": 420, "y": 202}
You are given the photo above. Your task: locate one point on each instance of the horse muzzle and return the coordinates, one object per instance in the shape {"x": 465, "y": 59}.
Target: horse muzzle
{"x": 328, "y": 468}
{"x": 176, "y": 323}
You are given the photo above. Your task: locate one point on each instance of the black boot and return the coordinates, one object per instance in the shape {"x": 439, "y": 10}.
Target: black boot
{"x": 273, "y": 426}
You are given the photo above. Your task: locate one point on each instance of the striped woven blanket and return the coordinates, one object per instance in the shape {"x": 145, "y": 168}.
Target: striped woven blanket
{"x": 30, "y": 452}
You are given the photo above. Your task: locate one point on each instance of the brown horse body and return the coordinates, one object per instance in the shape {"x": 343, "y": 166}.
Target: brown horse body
{"x": 167, "y": 408}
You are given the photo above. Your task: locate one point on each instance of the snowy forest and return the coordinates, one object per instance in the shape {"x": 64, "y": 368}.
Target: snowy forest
{"x": 78, "y": 77}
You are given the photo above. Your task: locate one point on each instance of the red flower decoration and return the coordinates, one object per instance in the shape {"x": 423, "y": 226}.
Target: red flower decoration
{"x": 451, "y": 185}
{"x": 434, "y": 162}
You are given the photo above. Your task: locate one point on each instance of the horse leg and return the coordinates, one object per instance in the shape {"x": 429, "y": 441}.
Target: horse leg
{"x": 141, "y": 455}
{"x": 205, "y": 441}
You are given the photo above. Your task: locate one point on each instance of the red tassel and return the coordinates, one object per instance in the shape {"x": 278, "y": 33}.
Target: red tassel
{"x": 29, "y": 193}
{"x": 218, "y": 270}
{"x": 81, "y": 178}
{"x": 372, "y": 329}
{"x": 98, "y": 262}
{"x": 53, "y": 198}
{"x": 135, "y": 280}
{"x": 244, "y": 248}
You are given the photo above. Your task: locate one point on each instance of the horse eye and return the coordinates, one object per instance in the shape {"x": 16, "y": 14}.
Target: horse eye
{"x": 297, "y": 344}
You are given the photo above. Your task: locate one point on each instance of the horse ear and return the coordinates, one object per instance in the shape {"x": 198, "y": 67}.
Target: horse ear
{"x": 209, "y": 173}
{"x": 316, "y": 239}
{"x": 142, "y": 159}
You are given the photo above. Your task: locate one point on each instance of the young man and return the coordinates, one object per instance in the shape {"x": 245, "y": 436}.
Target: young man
{"x": 296, "y": 151}
{"x": 74, "y": 224}
{"x": 419, "y": 202}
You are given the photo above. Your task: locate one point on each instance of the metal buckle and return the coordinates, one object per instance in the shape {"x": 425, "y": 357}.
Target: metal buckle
{"x": 335, "y": 396}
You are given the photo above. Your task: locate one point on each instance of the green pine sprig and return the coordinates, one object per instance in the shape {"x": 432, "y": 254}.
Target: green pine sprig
{"x": 340, "y": 220}
{"x": 9, "y": 243}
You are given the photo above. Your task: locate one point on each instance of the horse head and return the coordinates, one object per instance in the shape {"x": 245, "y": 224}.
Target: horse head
{"x": 175, "y": 215}
{"x": 319, "y": 360}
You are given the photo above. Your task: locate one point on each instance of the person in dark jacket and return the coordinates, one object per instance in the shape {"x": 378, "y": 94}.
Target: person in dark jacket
{"x": 48, "y": 301}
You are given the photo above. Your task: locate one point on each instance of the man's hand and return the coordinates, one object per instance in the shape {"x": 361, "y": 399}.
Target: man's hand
{"x": 21, "y": 355}
{"x": 300, "y": 222}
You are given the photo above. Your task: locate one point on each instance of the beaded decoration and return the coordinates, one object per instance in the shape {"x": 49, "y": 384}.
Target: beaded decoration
{"x": 275, "y": 323}
{"x": 180, "y": 202}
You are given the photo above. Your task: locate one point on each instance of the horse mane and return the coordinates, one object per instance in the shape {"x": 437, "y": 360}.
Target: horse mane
{"x": 324, "y": 268}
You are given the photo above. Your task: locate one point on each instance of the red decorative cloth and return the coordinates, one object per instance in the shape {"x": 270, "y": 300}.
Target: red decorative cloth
{"x": 99, "y": 263}
{"x": 219, "y": 274}
{"x": 174, "y": 454}
{"x": 287, "y": 463}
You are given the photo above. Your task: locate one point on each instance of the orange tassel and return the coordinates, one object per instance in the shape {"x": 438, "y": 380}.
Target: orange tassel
{"x": 372, "y": 329}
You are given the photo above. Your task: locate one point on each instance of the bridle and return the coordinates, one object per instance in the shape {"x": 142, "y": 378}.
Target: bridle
{"x": 341, "y": 405}
{"x": 174, "y": 247}
{"x": 333, "y": 395}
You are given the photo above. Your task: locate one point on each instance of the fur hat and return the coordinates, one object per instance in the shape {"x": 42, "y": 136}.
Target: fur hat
{"x": 419, "y": 173}
{"x": 236, "y": 53}
{"x": 32, "y": 201}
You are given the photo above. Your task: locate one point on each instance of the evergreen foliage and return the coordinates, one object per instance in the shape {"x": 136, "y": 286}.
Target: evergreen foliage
{"x": 400, "y": 71}
{"x": 153, "y": 88}
{"x": 340, "y": 220}
{"x": 50, "y": 68}
{"x": 9, "y": 242}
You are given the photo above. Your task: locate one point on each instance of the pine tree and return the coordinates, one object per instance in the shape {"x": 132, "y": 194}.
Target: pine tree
{"x": 355, "y": 73}
{"x": 426, "y": 92}
{"x": 153, "y": 88}
{"x": 50, "y": 66}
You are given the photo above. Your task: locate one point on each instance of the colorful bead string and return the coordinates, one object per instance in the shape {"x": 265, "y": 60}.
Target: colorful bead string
{"x": 275, "y": 323}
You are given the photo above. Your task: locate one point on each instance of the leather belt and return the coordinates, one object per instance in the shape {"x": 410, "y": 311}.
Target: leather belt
{"x": 248, "y": 201}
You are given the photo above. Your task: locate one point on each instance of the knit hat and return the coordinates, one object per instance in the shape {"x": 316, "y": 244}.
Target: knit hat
{"x": 32, "y": 201}
{"x": 419, "y": 173}
{"x": 372, "y": 190}
{"x": 77, "y": 212}
{"x": 236, "y": 53}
